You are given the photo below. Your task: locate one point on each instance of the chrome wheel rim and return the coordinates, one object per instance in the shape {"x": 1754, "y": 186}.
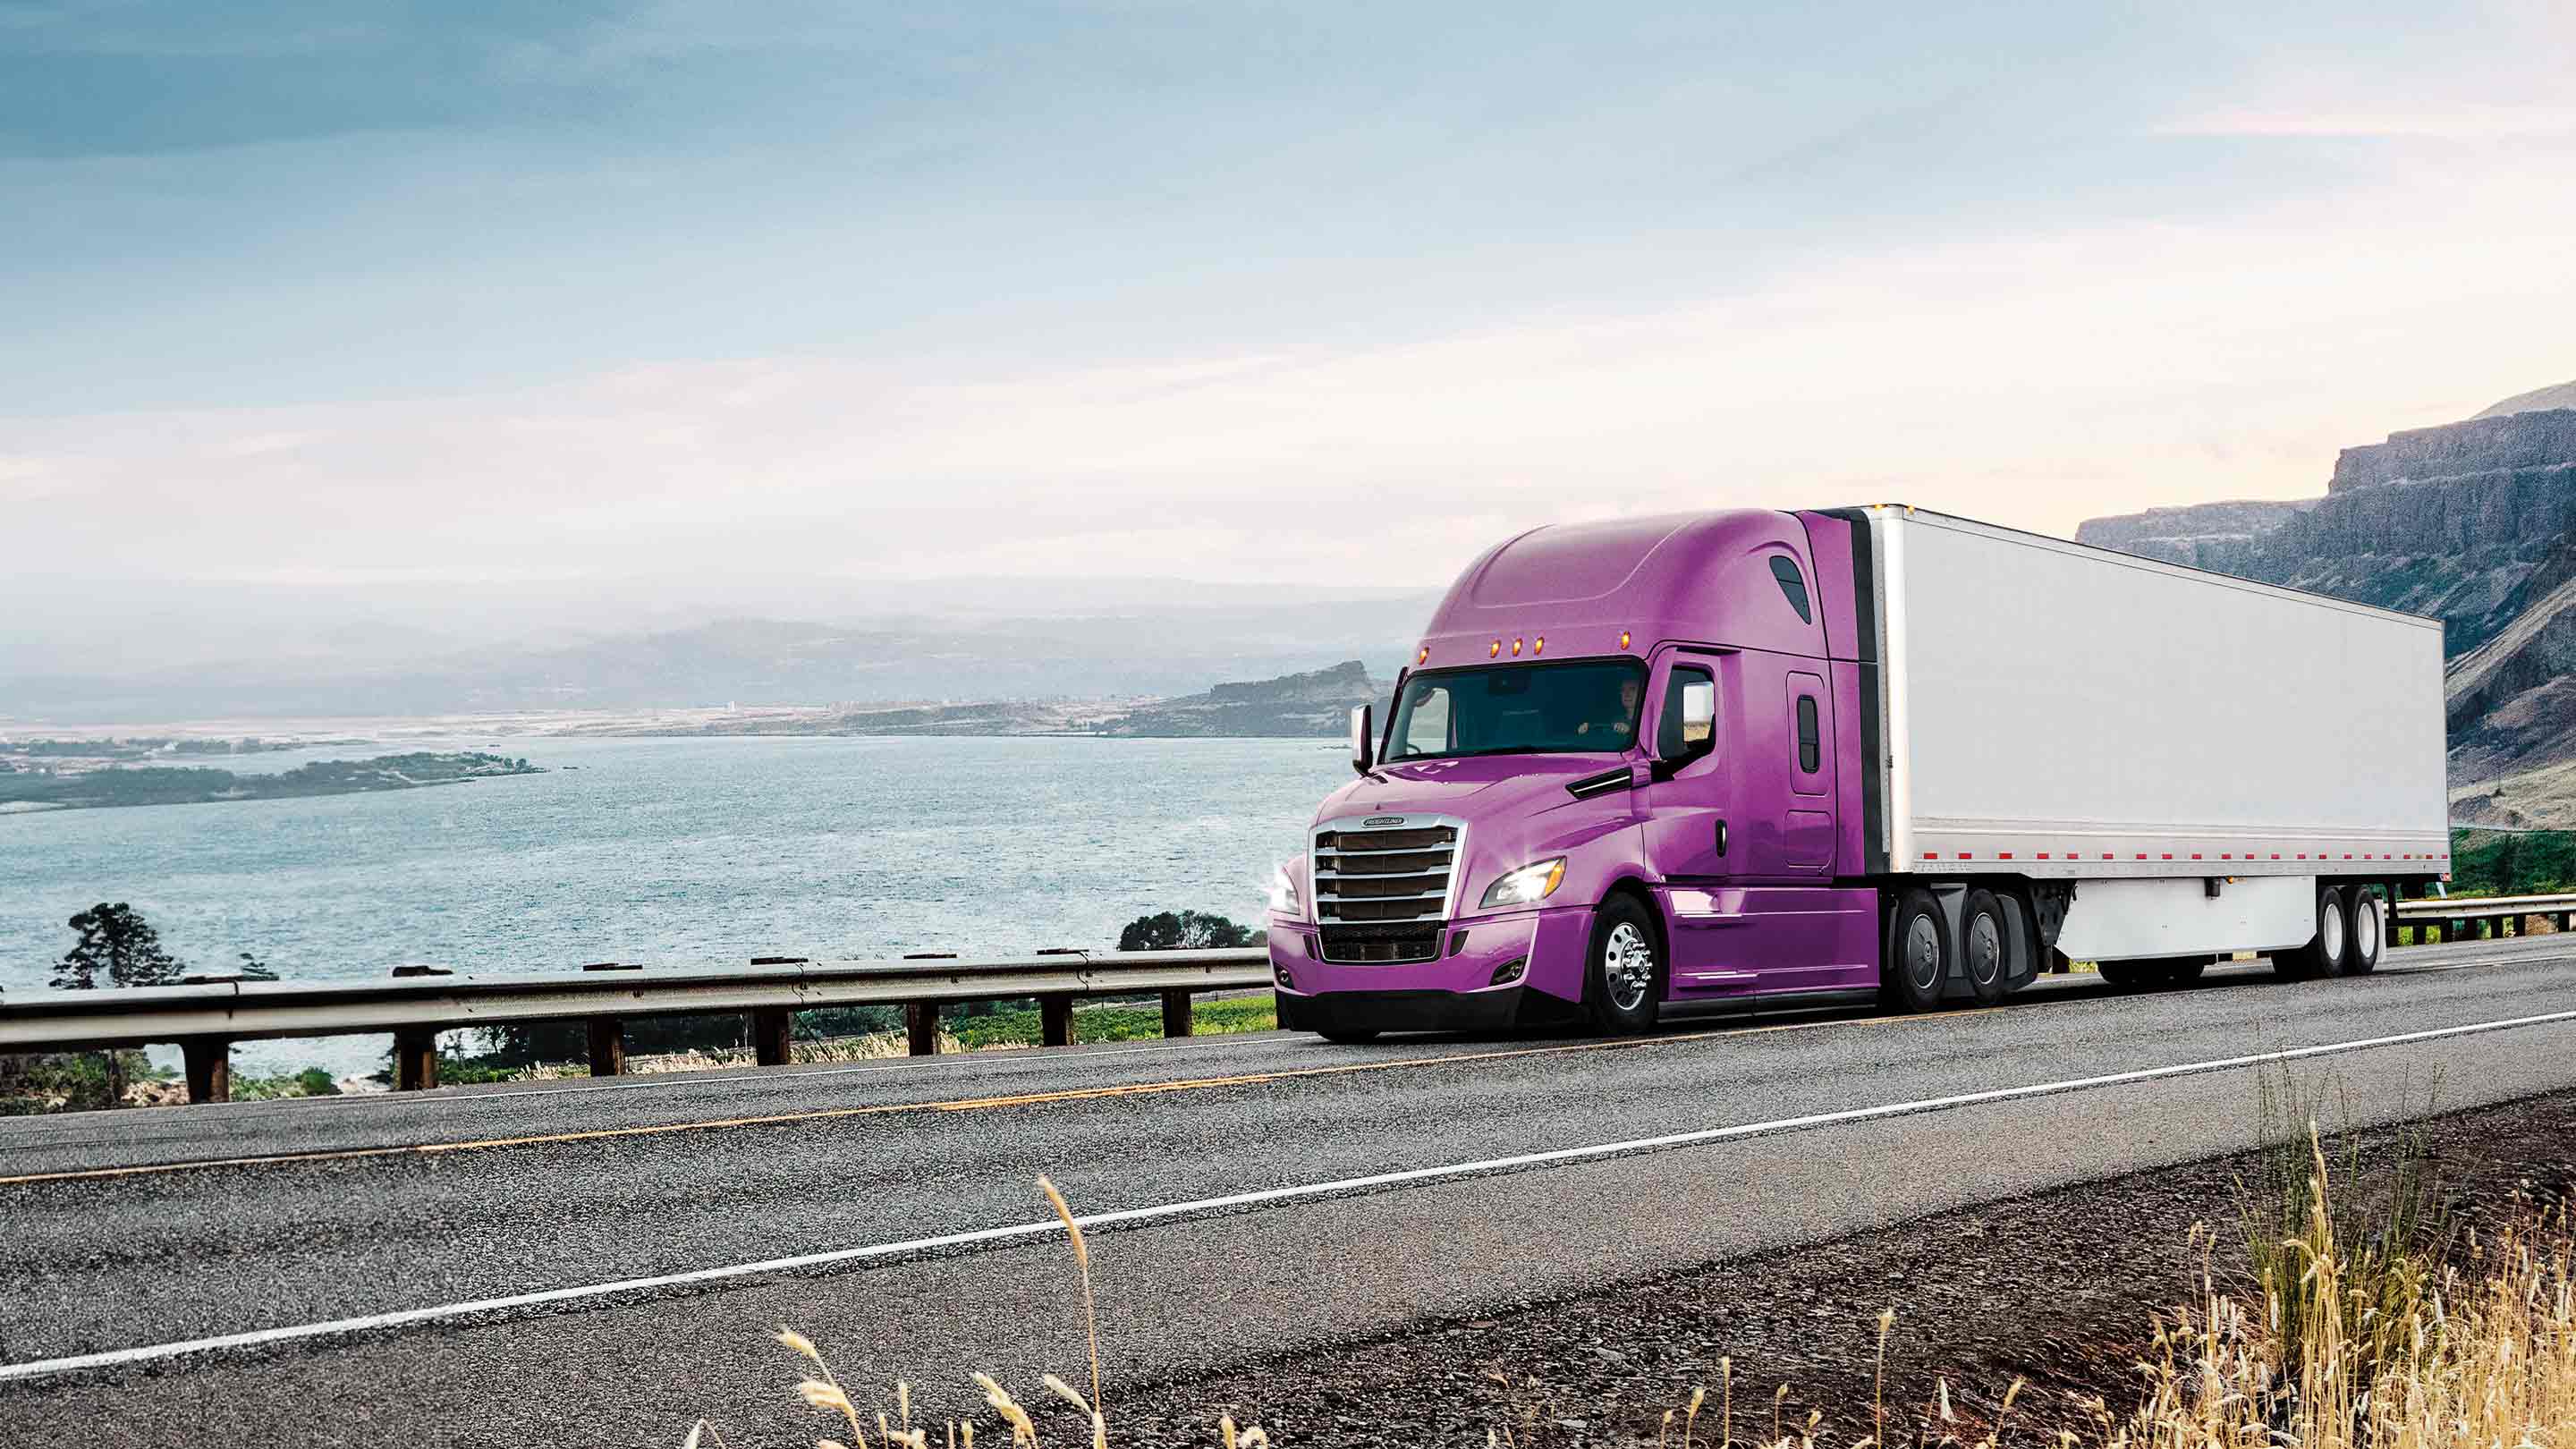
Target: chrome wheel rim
{"x": 1923, "y": 953}
{"x": 1627, "y": 966}
{"x": 1985, "y": 949}
{"x": 2330, "y": 929}
{"x": 2366, "y": 929}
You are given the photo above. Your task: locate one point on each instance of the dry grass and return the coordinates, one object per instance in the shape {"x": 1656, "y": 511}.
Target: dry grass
{"x": 2362, "y": 1338}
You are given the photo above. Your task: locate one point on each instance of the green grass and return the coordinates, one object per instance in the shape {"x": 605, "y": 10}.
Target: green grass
{"x": 1209, "y": 1016}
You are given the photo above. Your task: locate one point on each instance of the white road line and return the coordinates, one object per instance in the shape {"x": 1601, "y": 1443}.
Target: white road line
{"x": 377, "y": 1322}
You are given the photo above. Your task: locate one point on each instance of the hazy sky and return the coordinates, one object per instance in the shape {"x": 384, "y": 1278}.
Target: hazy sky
{"x": 353, "y": 293}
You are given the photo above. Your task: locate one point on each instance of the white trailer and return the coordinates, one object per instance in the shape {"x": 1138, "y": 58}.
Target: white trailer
{"x": 2180, "y": 763}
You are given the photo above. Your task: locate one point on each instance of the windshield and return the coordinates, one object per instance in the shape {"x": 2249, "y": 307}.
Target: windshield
{"x": 1582, "y": 706}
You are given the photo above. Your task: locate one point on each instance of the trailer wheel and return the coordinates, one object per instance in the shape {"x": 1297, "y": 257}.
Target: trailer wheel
{"x": 2366, "y": 931}
{"x": 1986, "y": 939}
{"x": 1917, "y": 954}
{"x": 2324, "y": 953}
{"x": 1623, "y": 984}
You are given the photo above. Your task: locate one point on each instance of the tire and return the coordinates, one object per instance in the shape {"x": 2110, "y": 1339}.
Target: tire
{"x": 2324, "y": 953}
{"x": 1986, "y": 945}
{"x": 1623, "y": 976}
{"x": 2365, "y": 932}
{"x": 1347, "y": 1035}
{"x": 1915, "y": 958}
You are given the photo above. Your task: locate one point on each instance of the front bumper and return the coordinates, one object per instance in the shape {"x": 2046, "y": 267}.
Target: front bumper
{"x": 1494, "y": 1010}
{"x": 1457, "y": 992}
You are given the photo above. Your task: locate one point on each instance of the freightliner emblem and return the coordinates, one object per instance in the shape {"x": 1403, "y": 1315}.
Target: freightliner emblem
{"x": 1380, "y": 822}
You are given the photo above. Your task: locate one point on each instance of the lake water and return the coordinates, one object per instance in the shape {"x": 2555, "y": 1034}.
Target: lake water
{"x": 706, "y": 851}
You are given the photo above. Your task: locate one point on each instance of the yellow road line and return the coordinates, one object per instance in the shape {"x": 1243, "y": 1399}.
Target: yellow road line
{"x": 886, "y": 1109}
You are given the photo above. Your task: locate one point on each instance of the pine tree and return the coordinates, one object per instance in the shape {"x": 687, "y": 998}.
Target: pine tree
{"x": 115, "y": 939}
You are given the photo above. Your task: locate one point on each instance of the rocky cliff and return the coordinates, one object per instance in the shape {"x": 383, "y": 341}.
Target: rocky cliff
{"x": 2474, "y": 523}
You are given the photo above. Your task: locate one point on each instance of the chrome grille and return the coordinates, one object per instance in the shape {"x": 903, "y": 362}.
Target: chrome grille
{"x": 1396, "y": 873}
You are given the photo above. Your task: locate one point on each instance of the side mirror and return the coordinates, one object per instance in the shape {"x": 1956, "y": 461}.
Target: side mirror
{"x": 1699, "y": 717}
{"x": 1363, "y": 738}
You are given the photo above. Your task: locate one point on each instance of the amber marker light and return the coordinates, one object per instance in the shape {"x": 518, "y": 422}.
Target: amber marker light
{"x": 1539, "y": 645}
{"x": 1496, "y": 652}
{"x": 1516, "y": 649}
{"x": 1422, "y": 655}
{"x": 1623, "y": 638}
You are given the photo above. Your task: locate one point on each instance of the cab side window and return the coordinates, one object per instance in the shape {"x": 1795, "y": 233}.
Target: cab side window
{"x": 1793, "y": 586}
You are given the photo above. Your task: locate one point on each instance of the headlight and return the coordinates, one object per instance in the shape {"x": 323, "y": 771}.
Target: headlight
{"x": 1529, "y": 883}
{"x": 1283, "y": 893}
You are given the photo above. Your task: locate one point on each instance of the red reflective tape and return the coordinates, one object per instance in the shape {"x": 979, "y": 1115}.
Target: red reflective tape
{"x": 2276, "y": 855}
{"x": 2194, "y": 855}
{"x": 1931, "y": 855}
{"x": 1963, "y": 855}
{"x": 2003, "y": 855}
{"x": 2168, "y": 855}
{"x": 2043, "y": 855}
{"x": 2143, "y": 855}
{"x": 2224, "y": 855}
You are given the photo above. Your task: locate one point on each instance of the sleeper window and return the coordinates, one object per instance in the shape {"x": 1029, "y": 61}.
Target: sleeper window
{"x": 1793, "y": 586}
{"x": 1811, "y": 751}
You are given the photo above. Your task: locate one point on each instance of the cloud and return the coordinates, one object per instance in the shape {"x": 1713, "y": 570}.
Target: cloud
{"x": 2035, "y": 380}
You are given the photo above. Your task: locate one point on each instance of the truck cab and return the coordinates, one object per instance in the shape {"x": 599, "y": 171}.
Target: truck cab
{"x": 1619, "y": 780}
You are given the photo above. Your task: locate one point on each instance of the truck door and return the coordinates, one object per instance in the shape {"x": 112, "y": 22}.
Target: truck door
{"x": 1686, "y": 804}
{"x": 1807, "y": 827}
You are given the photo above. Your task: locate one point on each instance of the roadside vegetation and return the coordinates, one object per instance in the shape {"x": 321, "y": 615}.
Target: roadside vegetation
{"x": 2345, "y": 1307}
{"x": 2512, "y": 863}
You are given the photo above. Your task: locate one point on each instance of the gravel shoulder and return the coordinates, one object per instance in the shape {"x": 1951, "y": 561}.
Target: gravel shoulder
{"x": 2057, "y": 1288}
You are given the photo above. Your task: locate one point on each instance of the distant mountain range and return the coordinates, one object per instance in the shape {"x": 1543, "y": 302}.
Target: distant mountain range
{"x": 2473, "y": 523}
{"x": 916, "y": 663}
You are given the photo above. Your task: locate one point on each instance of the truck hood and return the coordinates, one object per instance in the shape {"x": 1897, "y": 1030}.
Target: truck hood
{"x": 1472, "y": 788}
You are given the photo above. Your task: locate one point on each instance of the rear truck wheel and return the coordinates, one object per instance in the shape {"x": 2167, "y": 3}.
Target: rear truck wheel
{"x": 1986, "y": 939}
{"x": 1917, "y": 956}
{"x": 2365, "y": 931}
{"x": 2324, "y": 953}
{"x": 1623, "y": 984}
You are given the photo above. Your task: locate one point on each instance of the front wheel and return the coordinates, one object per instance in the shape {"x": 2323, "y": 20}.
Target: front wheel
{"x": 1623, "y": 987}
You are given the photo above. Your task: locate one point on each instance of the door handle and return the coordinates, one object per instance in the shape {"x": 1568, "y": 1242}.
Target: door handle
{"x": 1721, "y": 836}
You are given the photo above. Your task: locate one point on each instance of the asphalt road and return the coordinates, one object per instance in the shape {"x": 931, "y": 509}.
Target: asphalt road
{"x": 603, "y": 1263}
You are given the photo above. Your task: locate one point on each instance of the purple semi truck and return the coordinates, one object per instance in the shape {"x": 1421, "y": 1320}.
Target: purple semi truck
{"x": 1655, "y": 767}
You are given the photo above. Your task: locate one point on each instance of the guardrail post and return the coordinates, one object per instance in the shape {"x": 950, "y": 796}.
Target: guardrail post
{"x": 415, "y": 1059}
{"x": 921, "y": 1023}
{"x": 1176, "y": 1011}
{"x": 607, "y": 1046}
{"x": 1055, "y": 1021}
{"x": 210, "y": 1068}
{"x": 772, "y": 1033}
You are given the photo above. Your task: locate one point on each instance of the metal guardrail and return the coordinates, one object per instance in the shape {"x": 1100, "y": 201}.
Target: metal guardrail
{"x": 2461, "y": 917}
{"x": 207, "y": 1017}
